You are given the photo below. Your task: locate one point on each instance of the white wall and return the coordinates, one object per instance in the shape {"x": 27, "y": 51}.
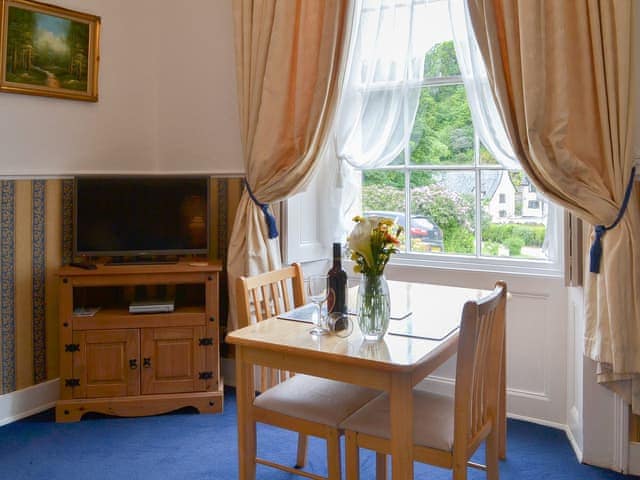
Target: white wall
{"x": 167, "y": 98}
{"x": 198, "y": 126}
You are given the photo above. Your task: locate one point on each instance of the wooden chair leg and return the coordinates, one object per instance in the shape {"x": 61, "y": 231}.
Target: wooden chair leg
{"x": 352, "y": 454}
{"x": 301, "y": 459}
{"x": 333, "y": 455}
{"x": 460, "y": 473}
{"x": 492, "y": 453}
{"x": 381, "y": 466}
{"x": 459, "y": 464}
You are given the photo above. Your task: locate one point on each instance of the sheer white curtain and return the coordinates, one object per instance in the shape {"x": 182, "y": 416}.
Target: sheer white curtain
{"x": 484, "y": 112}
{"x": 382, "y": 82}
{"x": 381, "y": 92}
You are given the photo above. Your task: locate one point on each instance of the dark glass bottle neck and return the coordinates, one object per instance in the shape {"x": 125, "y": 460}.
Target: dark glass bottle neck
{"x": 337, "y": 255}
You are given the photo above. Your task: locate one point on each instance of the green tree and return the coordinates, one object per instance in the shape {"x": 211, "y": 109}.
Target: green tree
{"x": 21, "y": 25}
{"x": 441, "y": 61}
{"x": 78, "y": 42}
{"x": 443, "y": 131}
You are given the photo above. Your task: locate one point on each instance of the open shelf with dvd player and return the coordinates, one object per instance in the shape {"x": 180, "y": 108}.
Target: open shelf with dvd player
{"x": 129, "y": 364}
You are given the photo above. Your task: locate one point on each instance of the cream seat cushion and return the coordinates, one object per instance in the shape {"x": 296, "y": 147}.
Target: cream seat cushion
{"x": 432, "y": 419}
{"x": 315, "y": 399}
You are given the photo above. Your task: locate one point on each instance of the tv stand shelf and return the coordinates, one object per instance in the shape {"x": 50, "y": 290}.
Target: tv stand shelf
{"x": 127, "y": 364}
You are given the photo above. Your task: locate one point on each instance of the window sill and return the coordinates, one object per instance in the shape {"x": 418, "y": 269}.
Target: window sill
{"x": 510, "y": 266}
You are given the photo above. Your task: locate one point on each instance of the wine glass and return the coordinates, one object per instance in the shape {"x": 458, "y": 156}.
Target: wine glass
{"x": 339, "y": 324}
{"x": 317, "y": 291}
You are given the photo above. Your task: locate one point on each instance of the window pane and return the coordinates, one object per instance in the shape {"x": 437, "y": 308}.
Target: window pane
{"x": 441, "y": 61}
{"x": 516, "y": 227}
{"x": 383, "y": 195}
{"x": 443, "y": 212}
{"x": 399, "y": 160}
{"x": 485, "y": 156}
{"x": 443, "y": 132}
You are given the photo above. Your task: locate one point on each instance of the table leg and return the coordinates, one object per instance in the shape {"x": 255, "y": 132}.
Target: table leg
{"x": 401, "y": 403}
{"x": 245, "y": 394}
{"x": 502, "y": 405}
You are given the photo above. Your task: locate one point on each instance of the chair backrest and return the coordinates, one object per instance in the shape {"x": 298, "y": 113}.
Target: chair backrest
{"x": 480, "y": 350}
{"x": 267, "y": 295}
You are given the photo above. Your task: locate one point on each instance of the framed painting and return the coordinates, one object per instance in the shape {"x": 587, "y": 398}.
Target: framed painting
{"x": 48, "y": 50}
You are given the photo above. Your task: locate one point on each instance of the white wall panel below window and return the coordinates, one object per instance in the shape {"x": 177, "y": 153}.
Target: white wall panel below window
{"x": 536, "y": 339}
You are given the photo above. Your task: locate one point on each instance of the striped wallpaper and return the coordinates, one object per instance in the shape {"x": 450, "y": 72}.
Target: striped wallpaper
{"x": 35, "y": 239}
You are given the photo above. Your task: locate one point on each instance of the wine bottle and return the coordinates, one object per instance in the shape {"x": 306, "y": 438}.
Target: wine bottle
{"x": 337, "y": 299}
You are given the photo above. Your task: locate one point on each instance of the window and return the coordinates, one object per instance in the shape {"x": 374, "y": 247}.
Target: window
{"x": 446, "y": 177}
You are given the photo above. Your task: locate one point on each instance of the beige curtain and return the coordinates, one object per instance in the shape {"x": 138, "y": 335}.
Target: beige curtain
{"x": 288, "y": 55}
{"x": 562, "y": 75}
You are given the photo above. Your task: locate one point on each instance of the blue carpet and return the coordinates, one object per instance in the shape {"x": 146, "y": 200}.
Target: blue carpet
{"x": 184, "y": 445}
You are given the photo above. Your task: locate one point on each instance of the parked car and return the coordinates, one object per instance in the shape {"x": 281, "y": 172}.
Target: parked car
{"x": 422, "y": 228}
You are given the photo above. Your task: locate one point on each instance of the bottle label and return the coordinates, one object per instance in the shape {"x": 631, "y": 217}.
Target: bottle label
{"x": 331, "y": 300}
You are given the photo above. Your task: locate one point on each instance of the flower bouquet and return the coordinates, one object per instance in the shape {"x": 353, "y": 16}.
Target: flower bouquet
{"x": 371, "y": 242}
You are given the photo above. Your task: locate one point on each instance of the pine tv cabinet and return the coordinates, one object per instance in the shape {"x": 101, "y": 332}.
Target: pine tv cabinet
{"x": 118, "y": 363}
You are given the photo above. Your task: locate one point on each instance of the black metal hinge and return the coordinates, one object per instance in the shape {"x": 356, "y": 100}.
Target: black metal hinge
{"x": 205, "y": 341}
{"x": 72, "y": 347}
{"x": 72, "y": 382}
{"x": 205, "y": 375}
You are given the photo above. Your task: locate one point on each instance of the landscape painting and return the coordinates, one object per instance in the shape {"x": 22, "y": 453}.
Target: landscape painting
{"x": 48, "y": 50}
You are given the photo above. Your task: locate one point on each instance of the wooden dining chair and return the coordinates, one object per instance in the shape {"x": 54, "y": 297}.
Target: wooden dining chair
{"x": 301, "y": 403}
{"x": 447, "y": 431}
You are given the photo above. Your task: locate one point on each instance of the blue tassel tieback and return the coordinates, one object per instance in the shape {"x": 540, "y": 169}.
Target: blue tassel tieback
{"x": 596, "y": 247}
{"x": 268, "y": 216}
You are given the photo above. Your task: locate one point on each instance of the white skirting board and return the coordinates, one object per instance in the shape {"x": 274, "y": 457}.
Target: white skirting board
{"x": 634, "y": 458}
{"x": 28, "y": 401}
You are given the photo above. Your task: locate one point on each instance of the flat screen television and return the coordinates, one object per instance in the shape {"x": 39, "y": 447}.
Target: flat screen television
{"x": 140, "y": 216}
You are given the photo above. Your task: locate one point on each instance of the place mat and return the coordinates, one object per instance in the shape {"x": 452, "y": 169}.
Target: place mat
{"x": 305, "y": 314}
{"x": 422, "y": 329}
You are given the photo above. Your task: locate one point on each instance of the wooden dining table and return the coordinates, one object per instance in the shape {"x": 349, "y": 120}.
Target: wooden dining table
{"x": 395, "y": 364}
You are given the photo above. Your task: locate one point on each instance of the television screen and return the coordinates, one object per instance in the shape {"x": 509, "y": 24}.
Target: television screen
{"x": 119, "y": 216}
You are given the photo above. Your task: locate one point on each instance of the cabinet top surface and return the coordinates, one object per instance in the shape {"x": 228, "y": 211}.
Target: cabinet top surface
{"x": 171, "y": 268}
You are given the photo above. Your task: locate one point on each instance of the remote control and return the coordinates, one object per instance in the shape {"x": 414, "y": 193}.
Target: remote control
{"x": 86, "y": 266}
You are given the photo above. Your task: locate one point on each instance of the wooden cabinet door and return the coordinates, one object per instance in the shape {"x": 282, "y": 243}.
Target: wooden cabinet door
{"x": 173, "y": 361}
{"x": 106, "y": 363}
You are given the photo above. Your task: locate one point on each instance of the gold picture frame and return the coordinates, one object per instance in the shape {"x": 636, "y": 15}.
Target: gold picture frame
{"x": 48, "y": 50}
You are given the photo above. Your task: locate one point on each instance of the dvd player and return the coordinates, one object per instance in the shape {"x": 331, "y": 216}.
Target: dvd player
{"x": 152, "y": 306}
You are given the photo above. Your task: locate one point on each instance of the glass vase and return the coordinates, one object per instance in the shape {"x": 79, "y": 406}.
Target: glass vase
{"x": 373, "y": 306}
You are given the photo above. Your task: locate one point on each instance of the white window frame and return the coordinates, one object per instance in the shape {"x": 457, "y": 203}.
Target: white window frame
{"x": 552, "y": 267}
